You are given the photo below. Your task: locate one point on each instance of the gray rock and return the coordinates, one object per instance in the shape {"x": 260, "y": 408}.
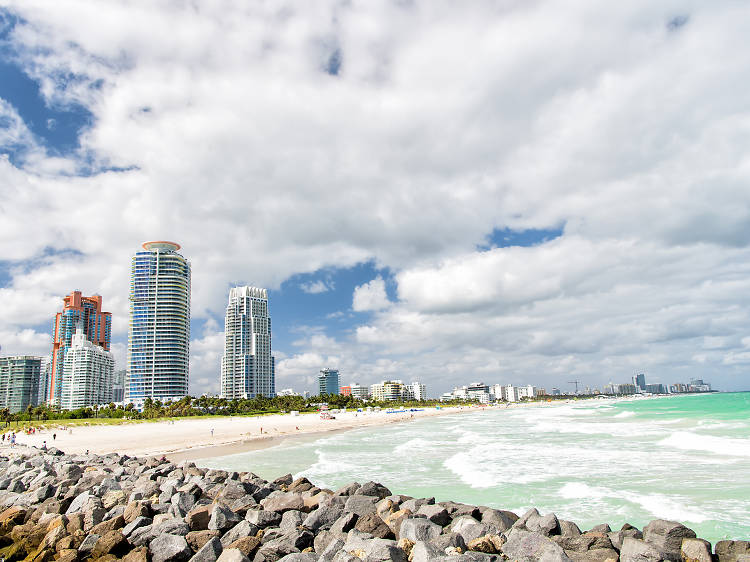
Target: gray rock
{"x": 325, "y": 538}
{"x": 427, "y": 552}
{"x": 696, "y": 550}
{"x": 435, "y": 513}
{"x": 232, "y": 555}
{"x": 569, "y": 529}
{"x": 78, "y": 503}
{"x": 169, "y": 548}
{"x": 136, "y": 523}
{"x": 637, "y": 550}
{"x": 527, "y": 546}
{"x": 382, "y": 550}
{"x": 373, "y": 489}
{"x": 419, "y": 529}
{"x": 88, "y": 544}
{"x": 593, "y": 555}
{"x": 468, "y": 527}
{"x": 291, "y": 520}
{"x": 731, "y": 551}
{"x": 361, "y": 505}
{"x": 183, "y": 501}
{"x": 449, "y": 540}
{"x": 414, "y": 504}
{"x": 344, "y": 524}
{"x": 283, "y": 502}
{"x": 262, "y": 519}
{"x": 222, "y": 518}
{"x": 173, "y": 527}
{"x": 300, "y": 557}
{"x": 617, "y": 537}
{"x": 322, "y": 518}
{"x": 209, "y": 552}
{"x": 348, "y": 490}
{"x": 667, "y": 536}
{"x": 240, "y": 530}
{"x": 499, "y": 520}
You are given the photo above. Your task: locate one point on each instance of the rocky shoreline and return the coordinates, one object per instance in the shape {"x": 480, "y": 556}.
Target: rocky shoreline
{"x": 106, "y": 508}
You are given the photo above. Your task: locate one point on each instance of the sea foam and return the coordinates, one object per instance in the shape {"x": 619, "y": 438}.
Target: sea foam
{"x": 688, "y": 441}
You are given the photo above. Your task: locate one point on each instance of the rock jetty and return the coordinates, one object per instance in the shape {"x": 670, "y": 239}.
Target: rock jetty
{"x": 106, "y": 508}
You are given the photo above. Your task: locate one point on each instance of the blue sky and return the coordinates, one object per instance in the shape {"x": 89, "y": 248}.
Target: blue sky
{"x": 415, "y": 213}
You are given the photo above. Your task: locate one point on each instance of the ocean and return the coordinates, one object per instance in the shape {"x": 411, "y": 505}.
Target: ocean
{"x": 683, "y": 458}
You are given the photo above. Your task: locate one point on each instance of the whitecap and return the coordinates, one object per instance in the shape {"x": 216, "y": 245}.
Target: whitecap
{"x": 625, "y": 414}
{"x": 688, "y": 441}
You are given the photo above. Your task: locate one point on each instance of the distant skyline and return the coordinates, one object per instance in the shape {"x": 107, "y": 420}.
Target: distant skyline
{"x": 524, "y": 193}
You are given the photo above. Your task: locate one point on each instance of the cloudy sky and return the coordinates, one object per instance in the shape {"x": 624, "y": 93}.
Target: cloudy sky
{"x": 509, "y": 191}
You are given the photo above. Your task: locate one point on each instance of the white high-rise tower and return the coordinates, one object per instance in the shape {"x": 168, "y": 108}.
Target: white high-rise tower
{"x": 247, "y": 367}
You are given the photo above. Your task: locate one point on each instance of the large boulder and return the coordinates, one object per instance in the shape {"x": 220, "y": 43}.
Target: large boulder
{"x": 638, "y": 550}
{"x": 730, "y": 551}
{"x": 283, "y": 502}
{"x": 232, "y": 555}
{"x": 374, "y": 525}
{"x": 361, "y": 505}
{"x": 499, "y": 520}
{"x": 222, "y": 518}
{"x": 419, "y": 529}
{"x": 373, "y": 489}
{"x": 469, "y": 528}
{"x": 695, "y": 550}
{"x": 209, "y": 552}
{"x": 667, "y": 536}
{"x": 528, "y": 546}
{"x": 322, "y": 518}
{"x": 169, "y": 548}
{"x": 263, "y": 518}
{"x": 435, "y": 513}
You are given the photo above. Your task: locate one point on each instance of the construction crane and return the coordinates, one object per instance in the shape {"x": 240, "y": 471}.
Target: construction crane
{"x": 575, "y": 383}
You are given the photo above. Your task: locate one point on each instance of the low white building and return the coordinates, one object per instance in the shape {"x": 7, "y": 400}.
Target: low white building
{"x": 88, "y": 373}
{"x": 528, "y": 392}
{"x": 359, "y": 391}
{"x": 415, "y": 391}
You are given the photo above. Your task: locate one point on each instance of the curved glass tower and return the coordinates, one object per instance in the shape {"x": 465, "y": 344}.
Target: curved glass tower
{"x": 159, "y": 336}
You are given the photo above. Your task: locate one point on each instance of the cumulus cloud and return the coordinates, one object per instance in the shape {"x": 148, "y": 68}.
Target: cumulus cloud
{"x": 370, "y": 296}
{"x": 281, "y": 139}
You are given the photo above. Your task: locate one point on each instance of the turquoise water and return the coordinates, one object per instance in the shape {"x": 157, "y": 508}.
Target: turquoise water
{"x": 685, "y": 458}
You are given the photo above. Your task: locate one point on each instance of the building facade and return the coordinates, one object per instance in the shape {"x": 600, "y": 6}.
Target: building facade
{"x": 88, "y": 374}
{"x": 19, "y": 382}
{"x": 247, "y": 366}
{"x": 387, "y": 391}
{"x": 159, "y": 334}
{"x": 78, "y": 311}
{"x": 640, "y": 382}
{"x": 328, "y": 381}
{"x": 415, "y": 391}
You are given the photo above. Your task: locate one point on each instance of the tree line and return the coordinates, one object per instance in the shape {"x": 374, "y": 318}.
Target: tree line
{"x": 204, "y": 406}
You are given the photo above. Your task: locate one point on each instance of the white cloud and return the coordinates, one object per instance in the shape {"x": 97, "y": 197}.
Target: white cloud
{"x": 316, "y": 287}
{"x": 441, "y": 125}
{"x": 370, "y": 296}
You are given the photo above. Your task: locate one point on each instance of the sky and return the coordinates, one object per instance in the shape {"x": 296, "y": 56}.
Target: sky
{"x": 515, "y": 192}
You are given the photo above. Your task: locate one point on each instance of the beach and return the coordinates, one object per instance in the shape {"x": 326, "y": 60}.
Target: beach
{"x": 190, "y": 438}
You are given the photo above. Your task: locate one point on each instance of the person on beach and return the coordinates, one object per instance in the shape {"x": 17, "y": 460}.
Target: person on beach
{"x": 12, "y": 440}
{"x": 44, "y": 445}
{"x": 54, "y": 436}
{"x": 212, "y": 432}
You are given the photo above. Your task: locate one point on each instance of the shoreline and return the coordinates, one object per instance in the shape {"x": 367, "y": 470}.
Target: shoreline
{"x": 195, "y": 438}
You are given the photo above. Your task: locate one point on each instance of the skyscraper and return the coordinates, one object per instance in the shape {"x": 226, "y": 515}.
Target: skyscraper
{"x": 96, "y": 326}
{"x": 19, "y": 382}
{"x": 159, "y": 335}
{"x": 640, "y": 381}
{"x": 328, "y": 381}
{"x": 87, "y": 374}
{"x": 247, "y": 366}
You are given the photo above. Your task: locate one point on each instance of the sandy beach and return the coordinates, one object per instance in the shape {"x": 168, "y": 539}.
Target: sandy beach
{"x": 188, "y": 438}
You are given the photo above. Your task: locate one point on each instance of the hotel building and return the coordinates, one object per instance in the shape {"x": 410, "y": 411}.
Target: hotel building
{"x": 19, "y": 382}
{"x": 159, "y": 334}
{"x": 247, "y": 366}
{"x": 328, "y": 381}
{"x": 96, "y": 325}
{"x": 87, "y": 375}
